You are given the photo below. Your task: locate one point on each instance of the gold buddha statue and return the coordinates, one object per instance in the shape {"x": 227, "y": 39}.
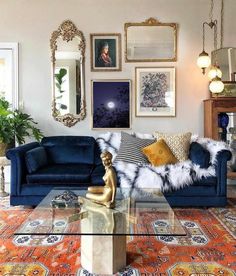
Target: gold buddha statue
{"x": 105, "y": 195}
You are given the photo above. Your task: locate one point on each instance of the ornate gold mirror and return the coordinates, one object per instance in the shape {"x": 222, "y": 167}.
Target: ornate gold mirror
{"x": 67, "y": 49}
{"x": 150, "y": 41}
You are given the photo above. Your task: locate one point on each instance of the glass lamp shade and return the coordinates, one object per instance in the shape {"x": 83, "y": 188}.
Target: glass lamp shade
{"x": 214, "y": 72}
{"x": 203, "y": 61}
{"x": 216, "y": 85}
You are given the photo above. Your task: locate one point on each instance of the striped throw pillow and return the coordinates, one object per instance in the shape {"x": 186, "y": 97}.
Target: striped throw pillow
{"x": 131, "y": 149}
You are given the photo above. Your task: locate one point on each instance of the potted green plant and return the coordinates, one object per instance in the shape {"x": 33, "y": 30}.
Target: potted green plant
{"x": 15, "y": 126}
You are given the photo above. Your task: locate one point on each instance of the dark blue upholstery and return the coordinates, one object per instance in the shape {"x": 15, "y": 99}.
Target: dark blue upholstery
{"x": 69, "y": 149}
{"x": 18, "y": 166}
{"x": 96, "y": 175}
{"x": 74, "y": 161}
{"x": 199, "y": 155}
{"x": 61, "y": 174}
{"x": 36, "y": 159}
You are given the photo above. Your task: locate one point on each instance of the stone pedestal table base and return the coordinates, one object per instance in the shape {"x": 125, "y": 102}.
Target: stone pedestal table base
{"x": 103, "y": 254}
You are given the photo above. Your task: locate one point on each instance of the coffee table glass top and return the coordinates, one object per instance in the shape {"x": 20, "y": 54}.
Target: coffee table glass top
{"x": 141, "y": 213}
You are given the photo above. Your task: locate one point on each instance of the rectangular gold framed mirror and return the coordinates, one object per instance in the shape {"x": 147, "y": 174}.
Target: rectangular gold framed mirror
{"x": 225, "y": 58}
{"x": 150, "y": 41}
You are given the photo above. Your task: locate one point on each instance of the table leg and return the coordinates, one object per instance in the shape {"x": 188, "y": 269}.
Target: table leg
{"x": 2, "y": 184}
{"x": 103, "y": 254}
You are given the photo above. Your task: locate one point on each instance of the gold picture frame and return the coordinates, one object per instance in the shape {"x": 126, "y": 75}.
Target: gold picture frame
{"x": 164, "y": 102}
{"x": 110, "y": 102}
{"x": 228, "y": 92}
{"x": 105, "y": 61}
{"x": 137, "y": 44}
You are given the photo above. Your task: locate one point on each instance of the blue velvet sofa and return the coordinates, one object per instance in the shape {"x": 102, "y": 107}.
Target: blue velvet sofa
{"x": 74, "y": 161}
{"x": 71, "y": 161}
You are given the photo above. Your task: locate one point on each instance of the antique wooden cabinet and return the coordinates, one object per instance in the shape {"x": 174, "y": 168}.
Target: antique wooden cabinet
{"x": 212, "y": 107}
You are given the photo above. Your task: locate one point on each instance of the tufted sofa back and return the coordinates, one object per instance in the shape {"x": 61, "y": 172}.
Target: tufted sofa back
{"x": 70, "y": 149}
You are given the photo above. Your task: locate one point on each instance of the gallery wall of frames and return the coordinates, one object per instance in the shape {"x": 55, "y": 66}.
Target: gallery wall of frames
{"x": 154, "y": 87}
{"x": 136, "y": 62}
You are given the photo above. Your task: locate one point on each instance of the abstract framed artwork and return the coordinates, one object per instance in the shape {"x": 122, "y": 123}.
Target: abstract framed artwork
{"x": 155, "y": 92}
{"x": 105, "y": 52}
{"x": 111, "y": 104}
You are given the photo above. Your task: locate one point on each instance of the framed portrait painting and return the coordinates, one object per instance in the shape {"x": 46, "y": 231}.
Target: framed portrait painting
{"x": 111, "y": 104}
{"x": 155, "y": 91}
{"x": 105, "y": 52}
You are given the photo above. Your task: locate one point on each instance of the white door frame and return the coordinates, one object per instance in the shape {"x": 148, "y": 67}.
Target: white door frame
{"x": 14, "y": 47}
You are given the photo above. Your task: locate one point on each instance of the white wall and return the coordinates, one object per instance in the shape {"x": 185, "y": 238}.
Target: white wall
{"x": 31, "y": 23}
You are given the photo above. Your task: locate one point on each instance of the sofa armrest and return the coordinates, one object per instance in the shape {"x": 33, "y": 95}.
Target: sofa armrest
{"x": 221, "y": 171}
{"x": 18, "y": 166}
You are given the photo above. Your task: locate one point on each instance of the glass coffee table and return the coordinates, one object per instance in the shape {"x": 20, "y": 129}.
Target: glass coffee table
{"x": 103, "y": 231}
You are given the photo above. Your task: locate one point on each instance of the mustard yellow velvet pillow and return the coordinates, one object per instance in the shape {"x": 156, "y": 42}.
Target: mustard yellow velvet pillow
{"x": 159, "y": 153}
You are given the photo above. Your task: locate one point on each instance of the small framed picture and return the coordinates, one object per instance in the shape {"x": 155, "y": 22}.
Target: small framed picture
{"x": 229, "y": 89}
{"x": 111, "y": 104}
{"x": 228, "y": 92}
{"x": 155, "y": 91}
{"x": 105, "y": 52}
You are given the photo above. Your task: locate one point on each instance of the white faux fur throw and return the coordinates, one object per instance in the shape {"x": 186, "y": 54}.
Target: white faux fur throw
{"x": 165, "y": 178}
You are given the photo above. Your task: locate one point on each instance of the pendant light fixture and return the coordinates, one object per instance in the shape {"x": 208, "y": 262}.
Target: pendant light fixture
{"x": 216, "y": 85}
{"x": 214, "y": 72}
{"x": 204, "y": 61}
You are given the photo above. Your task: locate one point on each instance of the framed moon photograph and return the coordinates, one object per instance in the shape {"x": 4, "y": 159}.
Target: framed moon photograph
{"x": 111, "y": 104}
{"x": 155, "y": 91}
{"x": 105, "y": 52}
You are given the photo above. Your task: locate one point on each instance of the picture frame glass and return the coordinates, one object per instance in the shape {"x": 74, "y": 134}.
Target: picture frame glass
{"x": 229, "y": 90}
{"x": 111, "y": 104}
{"x": 105, "y": 52}
{"x": 150, "y": 43}
{"x": 155, "y": 92}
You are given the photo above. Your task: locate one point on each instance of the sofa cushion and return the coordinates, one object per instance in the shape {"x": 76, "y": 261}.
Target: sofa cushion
{"x": 69, "y": 149}
{"x": 159, "y": 154}
{"x": 204, "y": 187}
{"x": 35, "y": 159}
{"x": 62, "y": 174}
{"x": 97, "y": 175}
{"x": 199, "y": 155}
{"x": 178, "y": 143}
{"x": 131, "y": 149}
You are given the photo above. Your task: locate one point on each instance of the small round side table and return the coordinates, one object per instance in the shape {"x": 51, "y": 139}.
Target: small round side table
{"x": 3, "y": 163}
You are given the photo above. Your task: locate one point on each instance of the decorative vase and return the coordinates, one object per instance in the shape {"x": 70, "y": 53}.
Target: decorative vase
{"x": 223, "y": 121}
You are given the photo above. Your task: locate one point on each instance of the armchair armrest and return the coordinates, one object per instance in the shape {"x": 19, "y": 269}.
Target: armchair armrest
{"x": 221, "y": 171}
{"x": 18, "y": 166}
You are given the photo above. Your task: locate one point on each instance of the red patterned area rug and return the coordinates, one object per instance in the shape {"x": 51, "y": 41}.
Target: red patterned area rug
{"x": 208, "y": 249}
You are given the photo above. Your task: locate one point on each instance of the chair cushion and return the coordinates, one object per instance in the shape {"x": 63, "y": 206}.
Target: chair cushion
{"x": 199, "y": 155}
{"x": 62, "y": 174}
{"x": 36, "y": 159}
{"x": 159, "y": 154}
{"x": 69, "y": 149}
